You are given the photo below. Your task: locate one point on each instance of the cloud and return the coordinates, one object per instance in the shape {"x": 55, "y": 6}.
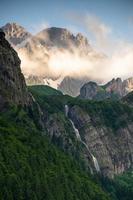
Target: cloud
{"x": 93, "y": 26}
{"x": 35, "y": 28}
{"x": 55, "y": 62}
{"x": 99, "y": 30}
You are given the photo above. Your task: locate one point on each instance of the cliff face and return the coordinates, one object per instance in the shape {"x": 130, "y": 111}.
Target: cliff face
{"x": 89, "y": 91}
{"x": 116, "y": 86}
{"x": 12, "y": 84}
{"x": 71, "y": 85}
{"x": 106, "y": 127}
{"x": 114, "y": 151}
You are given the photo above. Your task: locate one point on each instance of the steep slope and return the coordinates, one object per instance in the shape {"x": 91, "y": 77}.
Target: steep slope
{"x": 105, "y": 127}
{"x": 30, "y": 166}
{"x": 15, "y": 33}
{"x": 12, "y": 84}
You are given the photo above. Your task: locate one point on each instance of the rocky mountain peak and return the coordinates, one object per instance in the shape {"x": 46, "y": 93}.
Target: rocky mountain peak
{"x": 15, "y": 33}
{"x": 63, "y": 38}
{"x": 82, "y": 41}
{"x": 115, "y": 85}
{"x": 89, "y": 90}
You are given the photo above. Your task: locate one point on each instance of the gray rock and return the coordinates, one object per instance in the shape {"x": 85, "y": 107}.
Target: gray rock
{"x": 114, "y": 152}
{"x": 12, "y": 84}
{"x": 15, "y": 33}
{"x": 71, "y": 86}
{"x": 114, "y": 89}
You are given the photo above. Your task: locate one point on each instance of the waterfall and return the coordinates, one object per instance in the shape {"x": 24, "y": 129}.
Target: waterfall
{"x": 75, "y": 130}
{"x": 66, "y": 110}
{"x": 96, "y": 165}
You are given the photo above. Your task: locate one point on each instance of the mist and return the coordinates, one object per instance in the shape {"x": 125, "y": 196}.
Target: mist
{"x": 56, "y": 62}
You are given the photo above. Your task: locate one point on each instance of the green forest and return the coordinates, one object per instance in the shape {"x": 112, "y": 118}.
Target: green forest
{"x": 33, "y": 168}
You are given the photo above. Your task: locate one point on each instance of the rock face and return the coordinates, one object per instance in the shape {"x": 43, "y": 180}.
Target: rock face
{"x": 89, "y": 90}
{"x": 15, "y": 33}
{"x": 12, "y": 84}
{"x": 71, "y": 86}
{"x": 114, "y": 152}
{"x": 62, "y": 38}
{"x": 115, "y": 89}
{"x": 115, "y": 86}
{"x": 128, "y": 85}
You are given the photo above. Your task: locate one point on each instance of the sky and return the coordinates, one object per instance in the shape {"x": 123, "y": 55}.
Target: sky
{"x": 108, "y": 25}
{"x": 38, "y": 14}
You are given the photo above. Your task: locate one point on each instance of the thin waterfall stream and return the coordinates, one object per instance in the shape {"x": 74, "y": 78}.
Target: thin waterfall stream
{"x": 96, "y": 165}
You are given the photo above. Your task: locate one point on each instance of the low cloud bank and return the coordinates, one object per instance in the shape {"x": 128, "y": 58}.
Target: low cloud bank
{"x": 57, "y": 62}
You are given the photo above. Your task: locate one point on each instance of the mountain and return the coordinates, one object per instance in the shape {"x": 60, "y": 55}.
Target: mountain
{"x": 59, "y": 38}
{"x": 62, "y": 38}
{"x": 37, "y": 50}
{"x": 120, "y": 87}
{"x": 115, "y": 89}
{"x": 67, "y": 85}
{"x": 104, "y": 127}
{"x": 71, "y": 86}
{"x": 75, "y": 152}
{"x": 31, "y": 167}
{"x": 15, "y": 33}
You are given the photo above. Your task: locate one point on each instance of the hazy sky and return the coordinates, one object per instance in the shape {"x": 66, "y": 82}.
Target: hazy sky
{"x": 108, "y": 24}
{"x": 33, "y": 15}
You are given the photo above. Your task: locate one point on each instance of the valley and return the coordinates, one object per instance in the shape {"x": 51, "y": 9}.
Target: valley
{"x": 55, "y": 145}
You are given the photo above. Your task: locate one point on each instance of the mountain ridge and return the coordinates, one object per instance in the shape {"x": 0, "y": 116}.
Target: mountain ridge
{"x": 15, "y": 33}
{"x": 38, "y": 48}
{"x": 49, "y": 161}
{"x": 116, "y": 89}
